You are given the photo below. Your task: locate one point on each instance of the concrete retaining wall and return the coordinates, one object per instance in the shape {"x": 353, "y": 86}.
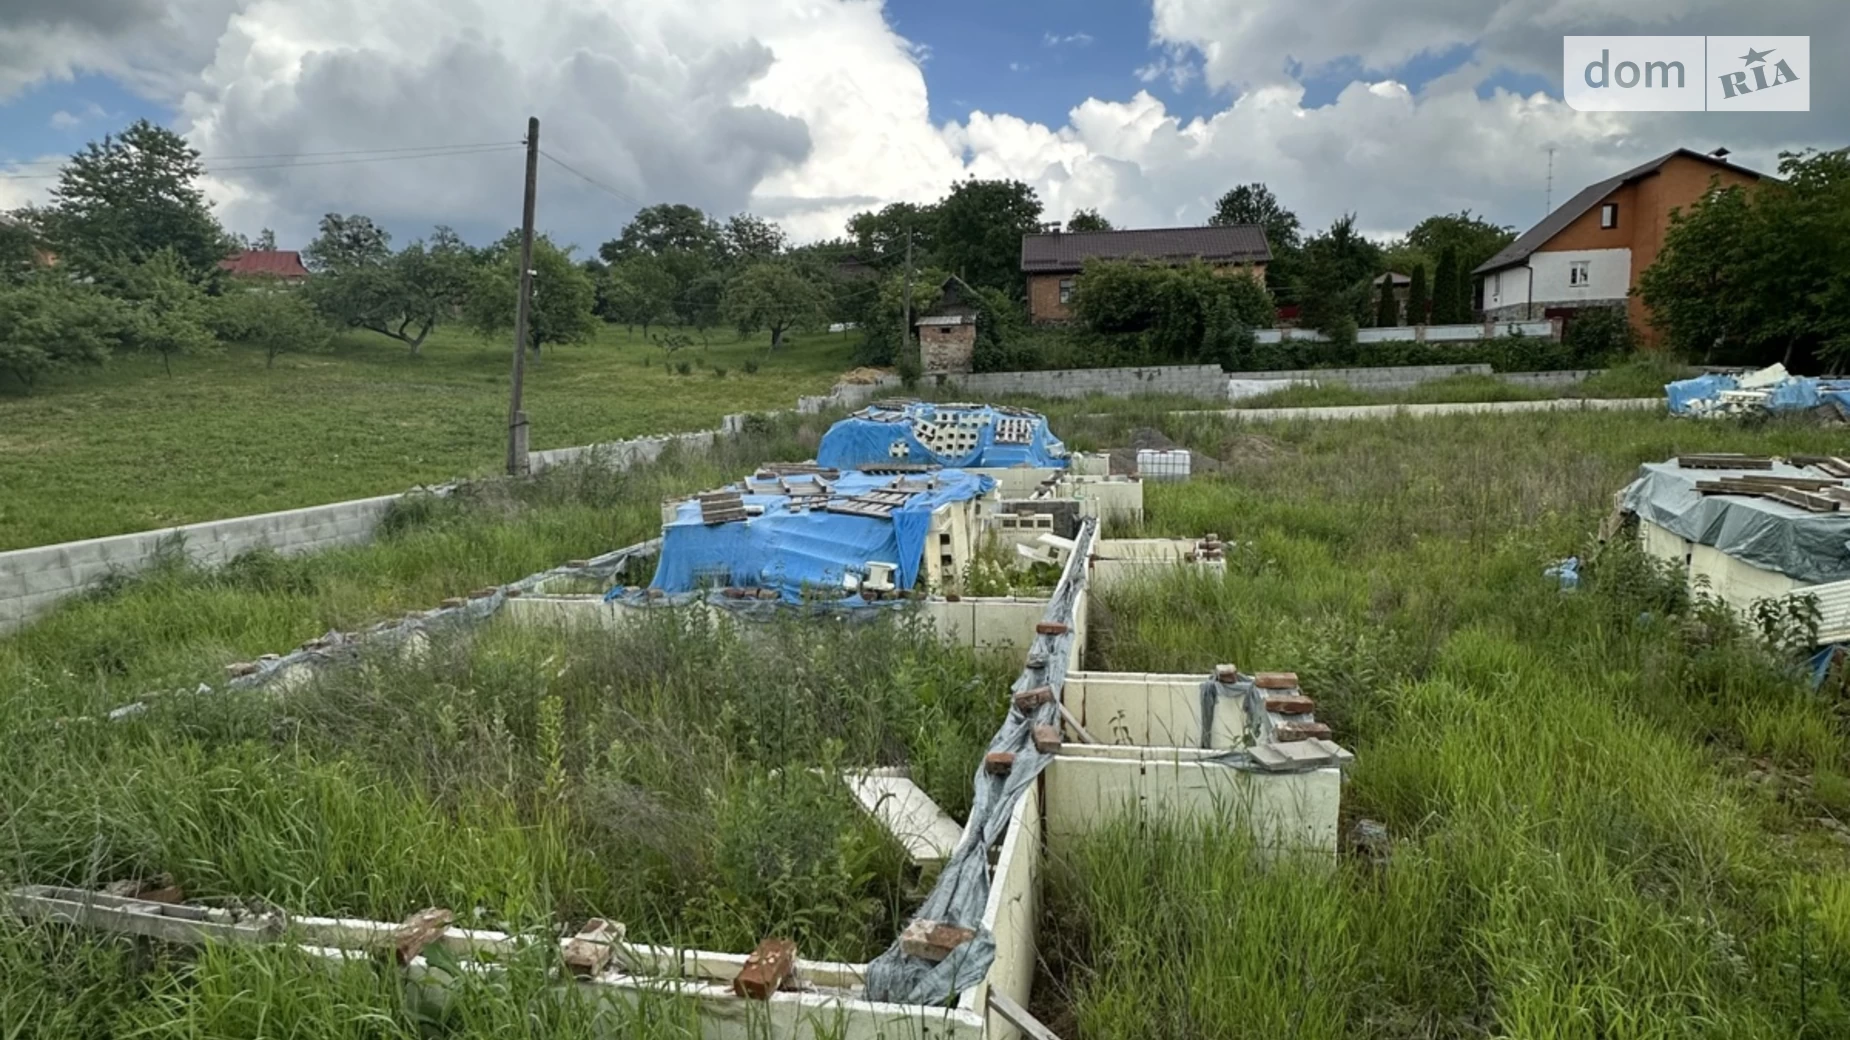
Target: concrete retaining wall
{"x": 1397, "y": 377}
{"x": 32, "y": 581}
{"x": 1421, "y": 333}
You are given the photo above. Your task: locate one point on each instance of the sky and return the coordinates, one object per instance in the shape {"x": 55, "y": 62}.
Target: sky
{"x": 806, "y": 111}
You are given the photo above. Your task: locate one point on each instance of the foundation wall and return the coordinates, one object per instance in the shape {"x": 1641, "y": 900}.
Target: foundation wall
{"x": 1013, "y": 913}
{"x": 1733, "y": 581}
{"x": 1283, "y": 811}
{"x": 1150, "y": 710}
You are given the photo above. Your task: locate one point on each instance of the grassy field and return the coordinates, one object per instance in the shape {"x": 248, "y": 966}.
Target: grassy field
{"x": 1613, "y": 813}
{"x": 129, "y": 449}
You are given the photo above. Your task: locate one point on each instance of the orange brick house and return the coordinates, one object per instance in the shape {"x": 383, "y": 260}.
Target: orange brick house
{"x": 1052, "y": 261}
{"x": 1591, "y": 251}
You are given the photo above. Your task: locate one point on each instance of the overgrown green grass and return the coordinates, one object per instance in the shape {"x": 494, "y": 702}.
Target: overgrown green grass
{"x": 1602, "y": 803}
{"x": 129, "y": 449}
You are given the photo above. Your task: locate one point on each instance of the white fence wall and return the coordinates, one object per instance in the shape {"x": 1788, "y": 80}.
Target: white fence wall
{"x": 1419, "y": 333}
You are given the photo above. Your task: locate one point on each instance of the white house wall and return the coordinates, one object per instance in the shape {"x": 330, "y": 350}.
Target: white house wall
{"x": 1609, "y": 274}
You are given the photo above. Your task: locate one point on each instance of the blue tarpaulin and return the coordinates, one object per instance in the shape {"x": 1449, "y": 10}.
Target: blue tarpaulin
{"x": 1702, "y": 395}
{"x": 970, "y": 436}
{"x": 787, "y": 549}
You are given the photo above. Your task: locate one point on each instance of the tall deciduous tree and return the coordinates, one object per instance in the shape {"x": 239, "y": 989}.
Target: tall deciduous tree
{"x": 1255, "y": 204}
{"x": 167, "y": 311}
{"x": 880, "y": 236}
{"x": 748, "y": 239}
{"x": 129, "y": 196}
{"x": 563, "y": 295}
{"x": 1471, "y": 239}
{"x": 980, "y": 227}
{"x": 1761, "y": 274}
{"x": 1088, "y": 220}
{"x": 347, "y": 242}
{"x": 774, "y": 297}
{"x": 362, "y": 284}
{"x": 1334, "y": 287}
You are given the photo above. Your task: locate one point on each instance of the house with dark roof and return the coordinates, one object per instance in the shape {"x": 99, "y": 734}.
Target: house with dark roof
{"x": 1591, "y": 251}
{"x": 1052, "y": 261}
{"x": 283, "y": 265}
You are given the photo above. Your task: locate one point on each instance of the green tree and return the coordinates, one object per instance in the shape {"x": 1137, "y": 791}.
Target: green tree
{"x": 662, "y": 229}
{"x": 562, "y": 308}
{"x": 48, "y": 323}
{"x": 1180, "y": 313}
{"x": 637, "y": 291}
{"x": 747, "y": 239}
{"x": 275, "y": 320}
{"x": 1255, "y": 204}
{"x": 980, "y": 228}
{"x": 880, "y": 236}
{"x": 19, "y": 248}
{"x": 401, "y": 296}
{"x": 167, "y": 311}
{"x": 775, "y": 297}
{"x": 1761, "y": 274}
{"x": 346, "y": 242}
{"x": 1471, "y": 239}
{"x": 1445, "y": 304}
{"x": 1088, "y": 220}
{"x": 132, "y": 195}
{"x": 1387, "y": 307}
{"x": 1419, "y": 301}
{"x": 1334, "y": 288}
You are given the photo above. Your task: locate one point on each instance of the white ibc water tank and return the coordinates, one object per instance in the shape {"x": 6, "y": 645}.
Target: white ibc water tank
{"x": 1163, "y": 465}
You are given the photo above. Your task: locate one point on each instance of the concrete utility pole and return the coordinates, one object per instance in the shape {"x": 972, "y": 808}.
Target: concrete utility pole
{"x": 905, "y": 339}
{"x": 516, "y": 418}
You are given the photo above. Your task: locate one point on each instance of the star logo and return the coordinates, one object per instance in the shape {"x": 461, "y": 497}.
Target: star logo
{"x": 1754, "y": 57}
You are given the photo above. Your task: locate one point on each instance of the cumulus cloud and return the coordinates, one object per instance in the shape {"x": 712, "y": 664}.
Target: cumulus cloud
{"x": 808, "y": 110}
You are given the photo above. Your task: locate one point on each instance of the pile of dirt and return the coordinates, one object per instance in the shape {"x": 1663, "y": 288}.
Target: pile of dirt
{"x": 863, "y": 376}
{"x": 1250, "y": 448}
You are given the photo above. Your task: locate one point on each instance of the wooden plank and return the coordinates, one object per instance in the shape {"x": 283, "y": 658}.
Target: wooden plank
{"x": 909, "y": 814}
{"x": 1716, "y": 461}
{"x": 1078, "y": 729}
{"x": 1016, "y": 1015}
{"x": 182, "y": 925}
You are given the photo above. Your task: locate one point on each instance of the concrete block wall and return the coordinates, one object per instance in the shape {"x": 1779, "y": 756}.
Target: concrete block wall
{"x": 1398, "y": 377}
{"x": 1206, "y": 381}
{"x": 1549, "y": 380}
{"x": 32, "y": 581}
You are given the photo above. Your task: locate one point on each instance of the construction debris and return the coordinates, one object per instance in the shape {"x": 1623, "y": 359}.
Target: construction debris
{"x": 420, "y": 930}
{"x": 588, "y": 953}
{"x": 933, "y": 940}
{"x": 766, "y": 970}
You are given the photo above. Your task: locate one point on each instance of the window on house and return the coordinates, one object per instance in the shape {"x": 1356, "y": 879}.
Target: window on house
{"x": 1066, "y": 290}
{"x": 1609, "y": 215}
{"x": 1578, "y": 274}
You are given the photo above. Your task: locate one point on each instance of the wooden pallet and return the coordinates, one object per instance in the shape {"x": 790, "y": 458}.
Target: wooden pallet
{"x": 721, "y": 507}
{"x": 1835, "y": 465}
{"x": 1792, "y": 496}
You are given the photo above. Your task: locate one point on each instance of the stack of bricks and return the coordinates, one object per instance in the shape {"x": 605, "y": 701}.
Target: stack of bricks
{"x": 1292, "y": 714}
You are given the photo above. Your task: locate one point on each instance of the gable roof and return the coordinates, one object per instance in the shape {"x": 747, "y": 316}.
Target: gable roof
{"x": 265, "y": 263}
{"x": 1068, "y": 250}
{"x": 1573, "y": 209}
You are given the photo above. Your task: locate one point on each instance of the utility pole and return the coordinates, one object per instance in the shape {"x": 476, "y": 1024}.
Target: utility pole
{"x": 906, "y": 336}
{"x": 516, "y": 418}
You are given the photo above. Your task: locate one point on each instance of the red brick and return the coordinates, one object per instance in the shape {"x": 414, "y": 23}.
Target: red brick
{"x": 1046, "y": 739}
{"x": 453, "y": 601}
{"x": 588, "y": 952}
{"x": 1290, "y": 731}
{"x": 420, "y": 930}
{"x": 952, "y": 597}
{"x": 241, "y": 668}
{"x": 1290, "y": 704}
{"x": 1050, "y": 628}
{"x": 482, "y": 593}
{"x": 933, "y": 940}
{"x": 1276, "y": 680}
{"x": 766, "y": 969}
{"x": 998, "y": 763}
{"x": 1032, "y": 698}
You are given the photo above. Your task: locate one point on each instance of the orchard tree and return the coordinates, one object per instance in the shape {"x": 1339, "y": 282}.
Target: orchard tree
{"x": 980, "y": 227}
{"x": 637, "y": 291}
{"x": 130, "y": 196}
{"x": 167, "y": 311}
{"x": 775, "y": 297}
{"x": 561, "y": 309}
{"x": 49, "y": 323}
{"x": 347, "y": 242}
{"x": 1088, "y": 220}
{"x": 278, "y": 321}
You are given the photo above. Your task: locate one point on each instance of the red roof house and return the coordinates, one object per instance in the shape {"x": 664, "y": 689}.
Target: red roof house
{"x": 283, "y": 264}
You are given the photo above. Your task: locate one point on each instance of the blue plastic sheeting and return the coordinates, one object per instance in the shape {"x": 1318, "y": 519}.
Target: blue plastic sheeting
{"x": 787, "y": 550}
{"x": 1684, "y": 391}
{"x": 962, "y": 436}
{"x": 1795, "y": 393}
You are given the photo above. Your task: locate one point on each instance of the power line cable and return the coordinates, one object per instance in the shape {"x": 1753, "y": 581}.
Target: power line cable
{"x": 303, "y": 155}
{"x": 588, "y": 179}
{"x": 444, "y": 153}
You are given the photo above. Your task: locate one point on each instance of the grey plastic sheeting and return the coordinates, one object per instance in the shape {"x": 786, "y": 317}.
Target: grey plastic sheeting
{"x": 1808, "y": 547}
{"x": 962, "y": 891}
